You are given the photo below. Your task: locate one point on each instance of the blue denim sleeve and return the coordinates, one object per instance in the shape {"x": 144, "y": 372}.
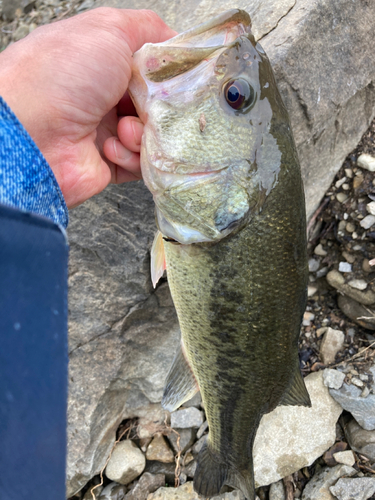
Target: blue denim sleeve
{"x": 26, "y": 180}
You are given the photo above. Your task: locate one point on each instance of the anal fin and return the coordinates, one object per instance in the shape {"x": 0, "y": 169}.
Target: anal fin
{"x": 180, "y": 385}
{"x": 297, "y": 394}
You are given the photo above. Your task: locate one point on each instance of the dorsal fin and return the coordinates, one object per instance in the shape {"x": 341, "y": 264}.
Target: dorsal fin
{"x": 158, "y": 264}
{"x": 181, "y": 384}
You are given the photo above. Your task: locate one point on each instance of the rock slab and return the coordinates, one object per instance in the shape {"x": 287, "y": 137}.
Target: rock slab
{"x": 362, "y": 409}
{"x": 292, "y": 437}
{"x": 186, "y": 492}
{"x": 318, "y": 487}
{"x": 358, "y": 488}
{"x": 361, "y": 440}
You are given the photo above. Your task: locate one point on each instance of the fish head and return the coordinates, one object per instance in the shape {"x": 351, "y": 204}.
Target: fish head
{"x": 207, "y": 98}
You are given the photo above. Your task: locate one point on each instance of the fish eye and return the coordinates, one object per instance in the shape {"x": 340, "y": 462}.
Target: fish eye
{"x": 239, "y": 94}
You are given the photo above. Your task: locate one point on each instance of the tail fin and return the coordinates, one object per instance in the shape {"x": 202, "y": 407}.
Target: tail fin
{"x": 212, "y": 475}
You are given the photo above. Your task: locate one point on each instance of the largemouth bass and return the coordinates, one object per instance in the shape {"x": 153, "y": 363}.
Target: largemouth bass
{"x": 219, "y": 157}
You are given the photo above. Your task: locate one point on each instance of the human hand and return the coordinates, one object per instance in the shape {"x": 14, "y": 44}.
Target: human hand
{"x": 66, "y": 82}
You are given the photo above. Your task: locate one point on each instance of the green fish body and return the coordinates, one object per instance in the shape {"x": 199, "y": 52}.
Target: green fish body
{"x": 219, "y": 157}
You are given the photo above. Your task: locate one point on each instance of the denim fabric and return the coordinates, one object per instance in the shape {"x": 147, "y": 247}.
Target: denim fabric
{"x": 26, "y": 180}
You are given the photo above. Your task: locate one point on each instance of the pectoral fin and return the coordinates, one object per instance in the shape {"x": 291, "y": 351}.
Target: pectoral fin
{"x": 158, "y": 264}
{"x": 181, "y": 385}
{"x": 296, "y": 394}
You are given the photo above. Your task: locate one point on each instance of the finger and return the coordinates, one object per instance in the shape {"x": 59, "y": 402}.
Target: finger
{"x": 129, "y": 131}
{"x": 120, "y": 175}
{"x": 122, "y": 157}
{"x": 143, "y": 26}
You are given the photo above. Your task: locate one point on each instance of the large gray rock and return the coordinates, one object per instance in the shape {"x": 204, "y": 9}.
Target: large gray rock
{"x": 362, "y": 409}
{"x": 293, "y": 437}
{"x": 122, "y": 333}
{"x": 318, "y": 487}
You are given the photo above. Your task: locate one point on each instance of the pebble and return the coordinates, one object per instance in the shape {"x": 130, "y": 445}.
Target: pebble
{"x": 348, "y": 257}
{"x": 151, "y": 423}
{"x": 313, "y": 265}
{"x": 345, "y": 457}
{"x": 360, "y": 440}
{"x": 362, "y": 409}
{"x": 307, "y": 318}
{"x": 332, "y": 343}
{"x": 357, "y": 312}
{"x": 333, "y": 378}
{"x": 368, "y": 221}
{"x": 367, "y": 162}
{"x": 159, "y": 450}
{"x": 147, "y": 483}
{"x": 350, "y": 227}
{"x": 322, "y": 272}
{"x": 318, "y": 487}
{"x": 113, "y": 491}
{"x": 349, "y": 173}
{"x": 126, "y": 463}
{"x": 186, "y": 492}
{"x": 358, "y": 179}
{"x": 21, "y": 32}
{"x": 358, "y": 488}
{"x": 202, "y": 429}
{"x": 341, "y": 197}
{"x": 370, "y": 207}
{"x": 340, "y": 182}
{"x": 321, "y": 331}
{"x": 337, "y": 280}
{"x": 328, "y": 455}
{"x": 277, "y": 491}
{"x": 346, "y": 186}
{"x": 187, "y": 417}
{"x": 319, "y": 250}
{"x": 187, "y": 438}
{"x": 345, "y": 267}
{"x": 358, "y": 284}
{"x": 311, "y": 290}
{"x": 358, "y": 382}
{"x": 199, "y": 444}
{"x": 365, "y": 392}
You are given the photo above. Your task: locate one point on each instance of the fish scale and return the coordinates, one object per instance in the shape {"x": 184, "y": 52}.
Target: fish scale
{"x": 232, "y": 234}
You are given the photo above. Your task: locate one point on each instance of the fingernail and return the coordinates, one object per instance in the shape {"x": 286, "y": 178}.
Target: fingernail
{"x": 137, "y": 131}
{"x": 120, "y": 151}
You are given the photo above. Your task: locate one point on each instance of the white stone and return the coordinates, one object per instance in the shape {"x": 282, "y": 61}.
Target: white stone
{"x": 345, "y": 457}
{"x": 127, "y": 462}
{"x": 370, "y": 207}
{"x": 340, "y": 182}
{"x": 318, "y": 487}
{"x": 367, "y": 162}
{"x": 313, "y": 265}
{"x": 333, "y": 378}
{"x": 367, "y": 222}
{"x": 292, "y": 437}
{"x": 277, "y": 491}
{"x": 332, "y": 343}
{"x": 358, "y": 284}
{"x": 187, "y": 417}
{"x": 358, "y": 488}
{"x": 345, "y": 267}
{"x": 311, "y": 290}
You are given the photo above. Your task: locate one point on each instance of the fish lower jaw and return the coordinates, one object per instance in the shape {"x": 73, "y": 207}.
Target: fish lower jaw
{"x": 182, "y": 234}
